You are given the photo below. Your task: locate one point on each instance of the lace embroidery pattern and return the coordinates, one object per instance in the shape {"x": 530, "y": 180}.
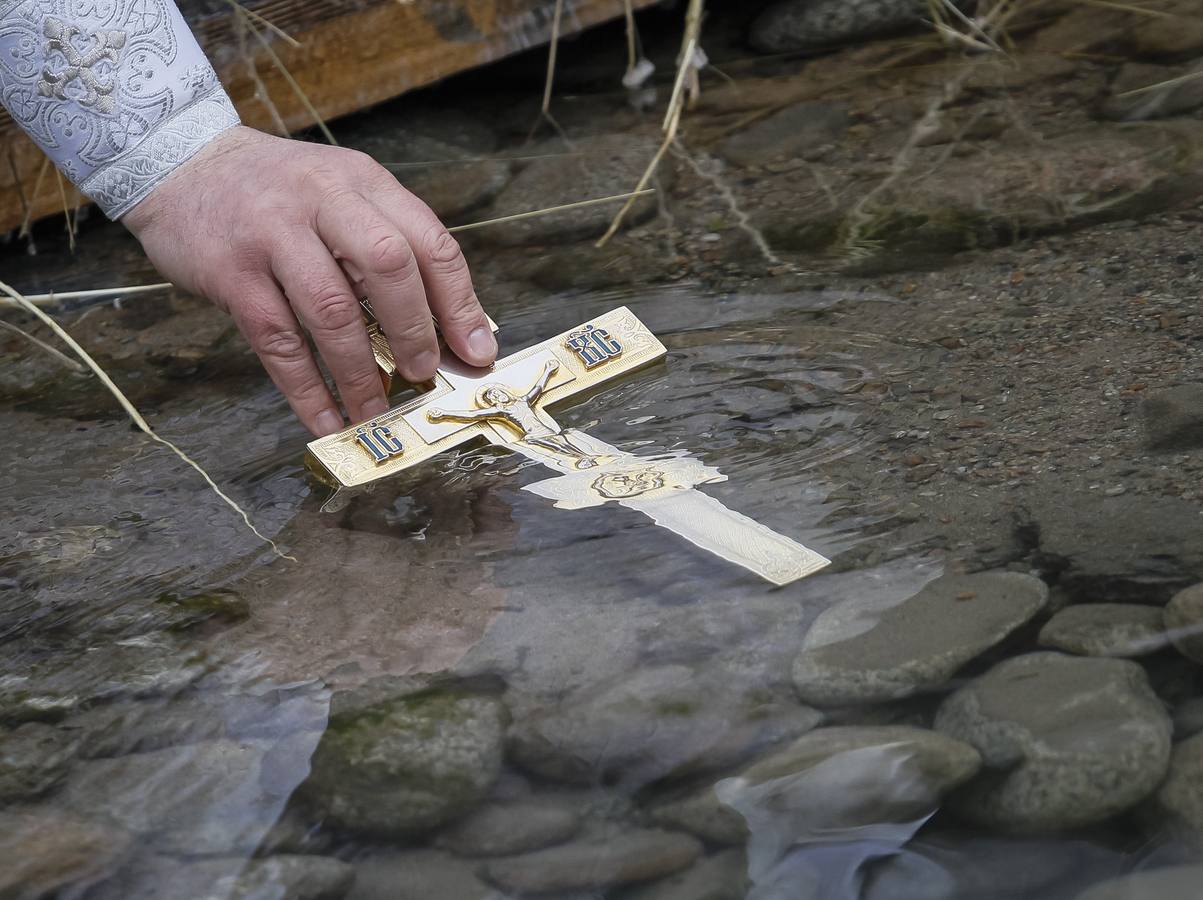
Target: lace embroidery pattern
{"x": 104, "y": 85}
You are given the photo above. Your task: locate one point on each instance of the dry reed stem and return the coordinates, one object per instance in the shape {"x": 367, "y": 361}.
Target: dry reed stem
{"x": 135, "y": 416}
{"x": 26, "y": 206}
{"x": 58, "y": 296}
{"x": 579, "y": 204}
{"x": 270, "y": 26}
{"x": 292, "y": 83}
{"x": 632, "y": 54}
{"x": 552, "y": 49}
{"x": 262, "y": 94}
{"x": 42, "y": 345}
{"x": 672, "y": 116}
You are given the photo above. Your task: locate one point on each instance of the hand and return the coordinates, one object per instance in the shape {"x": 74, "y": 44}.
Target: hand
{"x": 268, "y": 229}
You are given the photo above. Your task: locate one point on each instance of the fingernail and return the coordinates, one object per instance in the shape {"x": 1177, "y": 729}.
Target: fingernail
{"x": 482, "y": 344}
{"x": 424, "y": 365}
{"x": 328, "y": 422}
{"x": 375, "y": 407}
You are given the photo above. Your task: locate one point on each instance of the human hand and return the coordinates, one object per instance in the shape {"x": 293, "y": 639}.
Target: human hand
{"x": 268, "y": 229}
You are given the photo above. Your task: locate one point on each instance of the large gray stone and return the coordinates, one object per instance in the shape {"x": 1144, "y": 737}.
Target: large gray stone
{"x": 806, "y": 24}
{"x": 44, "y": 851}
{"x": 503, "y": 829}
{"x": 417, "y": 875}
{"x": 602, "y": 862}
{"x": 1172, "y": 883}
{"x": 1106, "y": 629}
{"x": 723, "y": 876}
{"x": 1143, "y": 91}
{"x": 1178, "y": 802}
{"x": 654, "y": 722}
{"x": 1184, "y": 622}
{"x": 1173, "y": 417}
{"x": 1066, "y": 741}
{"x": 866, "y": 652}
{"x": 790, "y": 133}
{"x": 399, "y": 759}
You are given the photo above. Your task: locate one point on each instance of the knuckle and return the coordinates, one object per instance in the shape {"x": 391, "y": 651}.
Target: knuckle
{"x": 419, "y": 331}
{"x": 277, "y": 342}
{"x": 442, "y": 249}
{"x": 389, "y": 255}
{"x": 360, "y": 381}
{"x": 334, "y": 309}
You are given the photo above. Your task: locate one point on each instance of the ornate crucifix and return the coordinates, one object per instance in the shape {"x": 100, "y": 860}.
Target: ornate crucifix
{"x": 506, "y": 405}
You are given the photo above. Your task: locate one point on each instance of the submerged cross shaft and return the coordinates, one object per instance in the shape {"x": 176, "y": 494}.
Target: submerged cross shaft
{"x": 506, "y": 405}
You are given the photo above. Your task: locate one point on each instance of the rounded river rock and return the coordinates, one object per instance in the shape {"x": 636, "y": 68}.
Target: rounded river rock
{"x": 869, "y": 652}
{"x": 1066, "y": 741}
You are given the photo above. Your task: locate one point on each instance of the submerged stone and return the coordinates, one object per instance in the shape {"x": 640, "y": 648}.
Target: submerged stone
{"x": 790, "y": 133}
{"x": 1184, "y": 621}
{"x": 45, "y": 851}
{"x": 1178, "y": 803}
{"x": 1173, "y": 417}
{"x": 417, "y": 875}
{"x": 655, "y": 722}
{"x": 723, "y": 876}
{"x": 1066, "y": 741}
{"x": 33, "y": 759}
{"x": 1106, "y": 629}
{"x": 1172, "y": 883}
{"x": 831, "y": 780}
{"x": 291, "y": 876}
{"x": 404, "y": 765}
{"x": 626, "y": 858}
{"x": 867, "y": 652}
{"x": 502, "y": 829}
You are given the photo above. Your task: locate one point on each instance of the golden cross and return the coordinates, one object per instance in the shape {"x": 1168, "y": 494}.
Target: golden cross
{"x": 506, "y": 405}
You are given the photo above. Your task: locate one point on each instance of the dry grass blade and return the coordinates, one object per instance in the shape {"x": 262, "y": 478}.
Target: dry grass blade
{"x": 552, "y": 49}
{"x": 292, "y": 82}
{"x": 37, "y": 187}
{"x": 579, "y": 204}
{"x": 42, "y": 345}
{"x": 270, "y": 26}
{"x": 135, "y": 416}
{"x": 1168, "y": 83}
{"x": 62, "y": 193}
{"x": 1129, "y": 7}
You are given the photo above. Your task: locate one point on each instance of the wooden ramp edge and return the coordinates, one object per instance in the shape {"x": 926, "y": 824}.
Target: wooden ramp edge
{"x": 353, "y": 53}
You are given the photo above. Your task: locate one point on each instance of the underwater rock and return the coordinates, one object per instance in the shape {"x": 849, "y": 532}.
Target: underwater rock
{"x": 791, "y": 133}
{"x": 135, "y": 667}
{"x": 1178, "y": 803}
{"x": 1066, "y": 741}
{"x": 115, "y": 729}
{"x": 45, "y": 850}
{"x": 1172, "y": 883}
{"x": 1123, "y": 549}
{"x": 607, "y": 165}
{"x": 866, "y": 652}
{"x": 626, "y": 858}
{"x": 807, "y": 24}
{"x": 1173, "y": 417}
{"x": 504, "y": 829}
{"x": 202, "y": 799}
{"x": 33, "y": 759}
{"x": 1184, "y": 621}
{"x": 1106, "y": 629}
{"x": 292, "y": 876}
{"x": 417, "y": 875}
{"x": 400, "y": 758}
{"x": 171, "y": 612}
{"x": 832, "y": 779}
{"x": 1141, "y": 91}
{"x": 723, "y": 876}
{"x": 665, "y": 720}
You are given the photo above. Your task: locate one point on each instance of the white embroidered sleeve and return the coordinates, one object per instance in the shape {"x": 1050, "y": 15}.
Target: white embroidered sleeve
{"x": 117, "y": 92}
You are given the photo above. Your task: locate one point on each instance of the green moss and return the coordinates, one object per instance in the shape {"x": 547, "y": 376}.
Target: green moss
{"x": 213, "y": 606}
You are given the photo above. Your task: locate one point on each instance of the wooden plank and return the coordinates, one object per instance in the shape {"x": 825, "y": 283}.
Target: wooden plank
{"x": 354, "y": 53}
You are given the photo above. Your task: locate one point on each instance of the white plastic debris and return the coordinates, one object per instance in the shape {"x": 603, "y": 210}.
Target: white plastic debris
{"x": 638, "y": 74}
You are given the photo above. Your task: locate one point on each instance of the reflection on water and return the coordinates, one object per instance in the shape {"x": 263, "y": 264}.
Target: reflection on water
{"x": 464, "y": 691}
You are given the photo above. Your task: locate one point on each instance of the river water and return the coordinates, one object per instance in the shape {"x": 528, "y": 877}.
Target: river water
{"x": 456, "y": 691}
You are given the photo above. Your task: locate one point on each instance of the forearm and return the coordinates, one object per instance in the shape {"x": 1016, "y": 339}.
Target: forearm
{"x": 118, "y": 94}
